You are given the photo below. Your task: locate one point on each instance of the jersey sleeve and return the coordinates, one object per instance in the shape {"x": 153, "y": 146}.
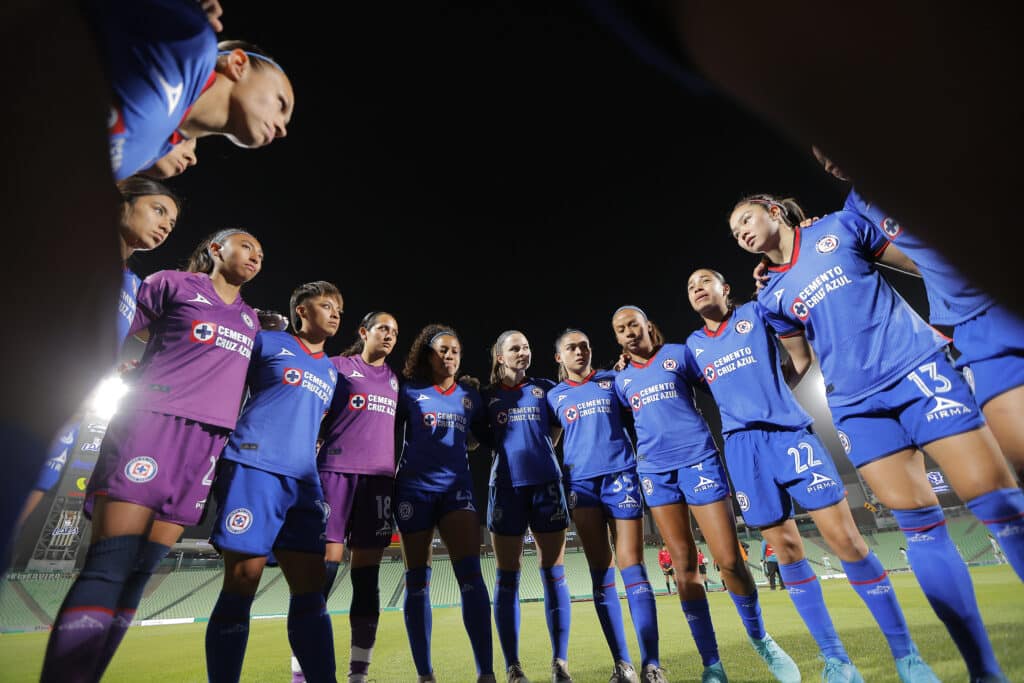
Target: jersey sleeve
{"x": 479, "y": 425}
{"x": 782, "y": 325}
{"x": 869, "y": 238}
{"x": 688, "y": 368}
{"x": 154, "y": 292}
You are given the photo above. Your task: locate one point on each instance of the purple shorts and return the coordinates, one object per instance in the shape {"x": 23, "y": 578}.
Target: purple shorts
{"x": 162, "y": 462}
{"x": 360, "y": 508}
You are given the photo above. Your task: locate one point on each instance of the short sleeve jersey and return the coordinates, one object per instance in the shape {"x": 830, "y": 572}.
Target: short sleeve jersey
{"x": 740, "y": 364}
{"x": 520, "y": 421}
{"x": 595, "y": 441}
{"x": 291, "y": 389}
{"x": 359, "y": 430}
{"x": 864, "y": 334}
{"x": 197, "y": 357}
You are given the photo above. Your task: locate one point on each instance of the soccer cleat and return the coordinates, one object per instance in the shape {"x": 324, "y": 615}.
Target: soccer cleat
{"x": 623, "y": 673}
{"x": 714, "y": 674}
{"x": 515, "y": 674}
{"x": 429, "y": 678}
{"x": 991, "y": 678}
{"x": 486, "y": 678}
{"x": 782, "y": 666}
{"x": 838, "y": 671}
{"x": 654, "y": 674}
{"x": 297, "y": 675}
{"x": 560, "y": 671}
{"x": 912, "y": 669}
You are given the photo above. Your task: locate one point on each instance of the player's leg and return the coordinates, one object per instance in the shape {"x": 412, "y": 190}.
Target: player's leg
{"x": 309, "y": 624}
{"x": 507, "y": 521}
{"x": 549, "y": 518}
{"x": 416, "y": 551}
{"x": 629, "y": 556}
{"x": 227, "y": 632}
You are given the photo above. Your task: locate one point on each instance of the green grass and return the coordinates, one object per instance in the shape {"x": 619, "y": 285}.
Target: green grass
{"x": 175, "y": 653}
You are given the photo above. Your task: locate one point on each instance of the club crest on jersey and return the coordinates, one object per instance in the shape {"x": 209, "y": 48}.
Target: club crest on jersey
{"x": 891, "y": 228}
{"x": 800, "y": 309}
{"x": 827, "y": 244}
{"x": 292, "y": 376}
{"x": 709, "y": 373}
{"x": 497, "y": 513}
{"x": 537, "y": 392}
{"x": 844, "y": 441}
{"x": 357, "y": 402}
{"x": 467, "y": 403}
{"x": 203, "y": 332}
{"x": 743, "y": 500}
{"x": 429, "y": 420}
{"x": 571, "y": 414}
{"x": 648, "y": 485}
{"x": 247, "y": 319}
{"x": 635, "y": 403}
{"x": 502, "y": 417}
{"x": 141, "y": 469}
{"x": 405, "y": 511}
{"x": 605, "y": 384}
{"x": 743, "y": 326}
{"x": 394, "y": 383}
{"x": 669, "y": 364}
{"x": 238, "y": 521}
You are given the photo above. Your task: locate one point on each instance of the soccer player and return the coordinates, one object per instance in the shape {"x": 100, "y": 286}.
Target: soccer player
{"x": 665, "y": 562}
{"x": 158, "y": 456}
{"x": 702, "y": 568}
{"x": 435, "y": 491}
{"x": 600, "y": 476}
{"x": 268, "y": 493}
{"x": 525, "y": 491}
{"x": 774, "y": 459}
{"x": 770, "y": 562}
{"x": 989, "y": 337}
{"x": 681, "y": 472}
{"x": 357, "y": 473}
{"x": 891, "y": 390}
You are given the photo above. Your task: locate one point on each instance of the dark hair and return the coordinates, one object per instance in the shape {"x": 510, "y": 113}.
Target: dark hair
{"x": 791, "y": 212}
{"x": 263, "y": 58}
{"x": 368, "y": 321}
{"x": 562, "y": 374}
{"x": 304, "y": 293}
{"x": 417, "y": 363}
{"x": 496, "y": 372}
{"x": 657, "y": 338}
{"x": 721, "y": 278}
{"x": 201, "y": 260}
{"x": 133, "y": 187}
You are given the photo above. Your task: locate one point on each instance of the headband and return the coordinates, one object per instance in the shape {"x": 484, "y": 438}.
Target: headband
{"x": 256, "y": 55}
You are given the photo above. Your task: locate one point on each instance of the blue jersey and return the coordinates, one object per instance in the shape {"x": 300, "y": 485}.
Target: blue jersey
{"x": 740, "y": 364}
{"x": 126, "y": 306}
{"x": 595, "y": 441}
{"x": 291, "y": 390}
{"x": 520, "y": 421}
{"x": 951, "y": 299}
{"x": 158, "y": 56}
{"x": 437, "y": 426}
{"x": 864, "y": 334}
{"x": 670, "y": 432}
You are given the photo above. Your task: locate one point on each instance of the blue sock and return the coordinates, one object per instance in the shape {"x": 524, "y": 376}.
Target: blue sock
{"x": 1002, "y": 511}
{"x": 749, "y": 609}
{"x": 558, "y": 606}
{"x": 311, "y": 636}
{"x": 476, "y": 612}
{"x": 869, "y": 578}
{"x": 506, "y": 614}
{"x": 417, "y": 617}
{"x": 82, "y": 626}
{"x": 227, "y": 633}
{"x": 805, "y": 592}
{"x": 642, "y": 609}
{"x": 698, "y": 618}
{"x": 331, "y": 570}
{"x": 946, "y": 583}
{"x": 609, "y": 612}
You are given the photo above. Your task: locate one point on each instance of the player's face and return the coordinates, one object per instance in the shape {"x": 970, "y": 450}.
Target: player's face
{"x": 829, "y": 165}
{"x": 261, "y": 107}
{"x": 148, "y": 220}
{"x": 515, "y": 352}
{"x": 447, "y": 355}
{"x": 706, "y": 292}
{"x": 181, "y": 156}
{"x": 240, "y": 257}
{"x": 380, "y": 338}
{"x": 632, "y": 331}
{"x": 754, "y": 228}
{"x": 574, "y": 353}
{"x": 321, "y": 315}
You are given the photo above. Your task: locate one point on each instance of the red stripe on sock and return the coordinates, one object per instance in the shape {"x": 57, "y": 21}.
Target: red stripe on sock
{"x": 924, "y": 528}
{"x": 88, "y": 608}
{"x": 1003, "y": 519}
{"x": 638, "y": 583}
{"x": 861, "y": 583}
{"x": 807, "y": 580}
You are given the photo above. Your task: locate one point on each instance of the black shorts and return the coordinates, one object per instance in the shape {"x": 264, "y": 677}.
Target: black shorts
{"x": 703, "y": 569}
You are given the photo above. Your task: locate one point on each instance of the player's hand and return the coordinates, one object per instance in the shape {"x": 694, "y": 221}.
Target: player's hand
{"x": 760, "y": 276}
{"x": 127, "y": 366}
{"x": 808, "y": 221}
{"x": 622, "y": 363}
{"x": 272, "y": 321}
{"x": 213, "y": 11}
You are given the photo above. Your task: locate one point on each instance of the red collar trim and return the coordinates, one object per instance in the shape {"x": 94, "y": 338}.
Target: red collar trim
{"x": 446, "y": 392}
{"x": 585, "y": 380}
{"x": 721, "y": 326}
{"x": 796, "y": 253}
{"x": 314, "y": 354}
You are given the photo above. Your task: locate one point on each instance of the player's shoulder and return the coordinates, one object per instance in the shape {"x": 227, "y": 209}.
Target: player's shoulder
{"x": 543, "y": 383}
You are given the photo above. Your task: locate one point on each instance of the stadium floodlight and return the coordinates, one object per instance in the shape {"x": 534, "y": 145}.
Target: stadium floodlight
{"x": 107, "y": 395}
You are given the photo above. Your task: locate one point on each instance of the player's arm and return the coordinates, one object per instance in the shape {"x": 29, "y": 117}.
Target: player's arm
{"x": 893, "y": 257}
{"x": 800, "y": 358}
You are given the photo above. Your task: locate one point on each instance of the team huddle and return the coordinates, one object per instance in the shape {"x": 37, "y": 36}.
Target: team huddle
{"x": 308, "y": 455}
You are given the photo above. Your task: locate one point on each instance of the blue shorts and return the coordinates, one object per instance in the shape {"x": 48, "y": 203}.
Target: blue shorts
{"x": 418, "y": 510}
{"x": 617, "y": 493}
{"x": 702, "y": 483}
{"x": 61, "y": 448}
{"x": 259, "y": 511}
{"x": 932, "y": 402}
{"x": 771, "y": 469}
{"x": 991, "y": 347}
{"x": 542, "y": 507}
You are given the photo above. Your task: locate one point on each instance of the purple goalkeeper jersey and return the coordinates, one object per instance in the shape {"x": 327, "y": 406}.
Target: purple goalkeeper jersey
{"x": 199, "y": 347}
{"x": 359, "y": 430}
